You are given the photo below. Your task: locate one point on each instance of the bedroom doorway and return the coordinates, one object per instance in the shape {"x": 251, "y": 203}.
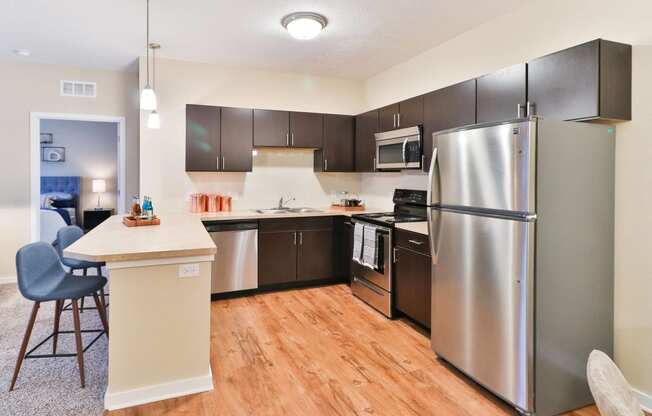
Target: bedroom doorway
{"x": 79, "y": 161}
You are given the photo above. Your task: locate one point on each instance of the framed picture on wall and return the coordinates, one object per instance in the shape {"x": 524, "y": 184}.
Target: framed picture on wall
{"x": 47, "y": 138}
{"x": 53, "y": 154}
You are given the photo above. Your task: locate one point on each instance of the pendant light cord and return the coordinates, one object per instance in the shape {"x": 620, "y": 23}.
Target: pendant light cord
{"x": 154, "y": 68}
{"x": 147, "y": 44}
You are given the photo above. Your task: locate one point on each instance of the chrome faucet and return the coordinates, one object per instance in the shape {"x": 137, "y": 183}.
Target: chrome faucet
{"x": 281, "y": 202}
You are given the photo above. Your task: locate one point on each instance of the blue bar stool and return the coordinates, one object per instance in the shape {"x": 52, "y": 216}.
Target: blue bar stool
{"x": 65, "y": 237}
{"x": 42, "y": 278}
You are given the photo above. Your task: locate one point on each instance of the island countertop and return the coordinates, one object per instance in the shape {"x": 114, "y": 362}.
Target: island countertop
{"x": 178, "y": 235}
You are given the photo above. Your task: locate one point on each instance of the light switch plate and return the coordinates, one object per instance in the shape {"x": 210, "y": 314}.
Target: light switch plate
{"x": 189, "y": 270}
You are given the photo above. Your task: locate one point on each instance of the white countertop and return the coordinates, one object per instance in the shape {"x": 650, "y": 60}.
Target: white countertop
{"x": 253, "y": 215}
{"x": 420, "y": 227}
{"x": 178, "y": 235}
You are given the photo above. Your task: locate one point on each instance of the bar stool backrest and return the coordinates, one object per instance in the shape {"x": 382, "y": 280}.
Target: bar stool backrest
{"x": 66, "y": 236}
{"x": 39, "y": 270}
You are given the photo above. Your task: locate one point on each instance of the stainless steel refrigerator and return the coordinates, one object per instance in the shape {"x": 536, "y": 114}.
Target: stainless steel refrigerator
{"x": 521, "y": 225}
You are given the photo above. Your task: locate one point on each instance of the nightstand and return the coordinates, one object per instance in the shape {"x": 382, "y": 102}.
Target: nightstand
{"x": 94, "y": 217}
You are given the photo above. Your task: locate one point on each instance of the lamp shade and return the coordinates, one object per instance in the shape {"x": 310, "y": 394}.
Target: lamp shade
{"x": 154, "y": 120}
{"x": 147, "y": 98}
{"x": 99, "y": 185}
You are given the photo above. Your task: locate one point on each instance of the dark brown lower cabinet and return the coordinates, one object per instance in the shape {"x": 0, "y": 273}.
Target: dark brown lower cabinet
{"x": 315, "y": 259}
{"x": 277, "y": 257}
{"x": 412, "y": 284}
{"x": 296, "y": 249}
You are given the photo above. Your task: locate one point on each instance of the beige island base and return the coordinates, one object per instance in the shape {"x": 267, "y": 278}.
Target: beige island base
{"x": 159, "y": 314}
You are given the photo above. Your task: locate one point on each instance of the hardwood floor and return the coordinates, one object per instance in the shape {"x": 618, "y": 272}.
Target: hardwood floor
{"x": 320, "y": 351}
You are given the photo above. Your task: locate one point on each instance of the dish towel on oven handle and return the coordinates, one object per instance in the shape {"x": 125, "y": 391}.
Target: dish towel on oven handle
{"x": 358, "y": 236}
{"x": 370, "y": 247}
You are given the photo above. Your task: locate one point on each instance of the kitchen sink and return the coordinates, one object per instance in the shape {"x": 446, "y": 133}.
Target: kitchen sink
{"x": 273, "y": 211}
{"x": 303, "y": 210}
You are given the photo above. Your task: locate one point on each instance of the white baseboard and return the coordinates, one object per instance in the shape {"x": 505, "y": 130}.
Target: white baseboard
{"x": 7, "y": 279}
{"x": 645, "y": 399}
{"x": 154, "y": 393}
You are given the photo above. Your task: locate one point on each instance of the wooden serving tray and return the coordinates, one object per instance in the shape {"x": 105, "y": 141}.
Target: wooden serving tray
{"x": 130, "y": 221}
{"x": 347, "y": 209}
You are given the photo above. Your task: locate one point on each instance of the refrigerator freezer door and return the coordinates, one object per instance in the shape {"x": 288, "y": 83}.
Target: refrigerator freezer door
{"x": 482, "y": 302}
{"x": 490, "y": 167}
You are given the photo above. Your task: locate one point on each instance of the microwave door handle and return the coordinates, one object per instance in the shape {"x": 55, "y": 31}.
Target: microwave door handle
{"x": 404, "y": 149}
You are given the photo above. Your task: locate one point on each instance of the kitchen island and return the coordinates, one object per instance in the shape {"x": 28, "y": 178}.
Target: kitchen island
{"x": 159, "y": 314}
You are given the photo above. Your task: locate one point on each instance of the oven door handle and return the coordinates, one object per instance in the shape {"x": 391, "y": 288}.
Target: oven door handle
{"x": 368, "y": 285}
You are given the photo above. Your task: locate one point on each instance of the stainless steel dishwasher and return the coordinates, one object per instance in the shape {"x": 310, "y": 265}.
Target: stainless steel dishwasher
{"x": 236, "y": 263}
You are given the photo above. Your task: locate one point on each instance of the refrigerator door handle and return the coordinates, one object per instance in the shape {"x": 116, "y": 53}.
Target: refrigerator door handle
{"x": 432, "y": 176}
{"x": 434, "y": 233}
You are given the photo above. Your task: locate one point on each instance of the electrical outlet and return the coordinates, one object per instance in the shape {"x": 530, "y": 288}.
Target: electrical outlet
{"x": 189, "y": 270}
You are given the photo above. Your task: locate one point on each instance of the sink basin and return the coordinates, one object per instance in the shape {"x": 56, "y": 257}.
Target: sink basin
{"x": 287, "y": 210}
{"x": 273, "y": 211}
{"x": 302, "y": 210}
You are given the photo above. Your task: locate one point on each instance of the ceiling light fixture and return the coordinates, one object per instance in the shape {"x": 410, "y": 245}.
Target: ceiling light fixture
{"x": 154, "y": 120}
{"x": 22, "y": 52}
{"x": 147, "y": 95}
{"x": 304, "y": 25}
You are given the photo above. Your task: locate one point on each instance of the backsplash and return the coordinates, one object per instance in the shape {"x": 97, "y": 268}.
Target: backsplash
{"x": 277, "y": 173}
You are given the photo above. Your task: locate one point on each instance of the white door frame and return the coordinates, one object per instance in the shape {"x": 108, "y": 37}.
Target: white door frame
{"x": 35, "y": 160}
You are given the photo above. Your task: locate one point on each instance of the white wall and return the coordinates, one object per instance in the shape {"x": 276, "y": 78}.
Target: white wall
{"x": 91, "y": 153}
{"x": 275, "y": 173}
{"x": 35, "y": 88}
{"x": 541, "y": 27}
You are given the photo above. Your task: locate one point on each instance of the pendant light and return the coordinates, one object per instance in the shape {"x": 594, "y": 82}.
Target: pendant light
{"x": 147, "y": 95}
{"x": 154, "y": 121}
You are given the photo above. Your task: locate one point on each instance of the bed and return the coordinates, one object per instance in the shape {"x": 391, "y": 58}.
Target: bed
{"x": 59, "y": 204}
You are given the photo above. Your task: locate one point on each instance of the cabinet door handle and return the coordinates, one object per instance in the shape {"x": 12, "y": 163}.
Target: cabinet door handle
{"x": 292, "y": 138}
{"x": 218, "y": 163}
{"x": 415, "y": 242}
{"x": 395, "y": 255}
{"x": 398, "y": 120}
{"x": 301, "y": 238}
{"x": 223, "y": 163}
{"x": 295, "y": 238}
{"x": 325, "y": 164}
{"x": 287, "y": 139}
{"x": 374, "y": 165}
{"x": 394, "y": 120}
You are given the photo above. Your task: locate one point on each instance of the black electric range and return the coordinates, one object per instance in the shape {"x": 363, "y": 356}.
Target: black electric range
{"x": 409, "y": 206}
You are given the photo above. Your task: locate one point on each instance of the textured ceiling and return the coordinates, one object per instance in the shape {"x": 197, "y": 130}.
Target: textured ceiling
{"x": 363, "y": 37}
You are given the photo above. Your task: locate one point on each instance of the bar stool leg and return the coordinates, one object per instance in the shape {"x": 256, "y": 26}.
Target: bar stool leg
{"x": 23, "y": 347}
{"x": 80, "y": 351}
{"x": 103, "y": 300}
{"x": 82, "y": 299}
{"x": 57, "y": 316}
{"x": 102, "y": 312}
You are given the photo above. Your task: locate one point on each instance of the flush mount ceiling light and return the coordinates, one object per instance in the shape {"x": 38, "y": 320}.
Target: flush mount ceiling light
{"x": 22, "y": 52}
{"x": 304, "y": 25}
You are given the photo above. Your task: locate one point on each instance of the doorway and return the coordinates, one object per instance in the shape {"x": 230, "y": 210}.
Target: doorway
{"x": 73, "y": 152}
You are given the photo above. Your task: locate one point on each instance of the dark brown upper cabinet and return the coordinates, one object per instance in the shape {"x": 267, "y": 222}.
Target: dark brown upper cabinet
{"x": 449, "y": 107}
{"x": 410, "y": 112}
{"x": 407, "y": 113}
{"x": 271, "y": 128}
{"x": 502, "y": 95}
{"x": 387, "y": 117}
{"x": 306, "y": 130}
{"x": 366, "y": 125}
{"x": 237, "y": 139}
{"x": 588, "y": 81}
{"x": 337, "y": 152}
{"x": 202, "y": 138}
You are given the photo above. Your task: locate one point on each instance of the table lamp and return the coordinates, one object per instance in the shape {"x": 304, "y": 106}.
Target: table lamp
{"x": 99, "y": 186}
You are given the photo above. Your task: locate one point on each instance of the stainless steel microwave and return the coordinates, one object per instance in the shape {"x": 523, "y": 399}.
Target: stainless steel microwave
{"x": 399, "y": 149}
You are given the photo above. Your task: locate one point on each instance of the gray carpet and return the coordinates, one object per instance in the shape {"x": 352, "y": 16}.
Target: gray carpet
{"x": 49, "y": 386}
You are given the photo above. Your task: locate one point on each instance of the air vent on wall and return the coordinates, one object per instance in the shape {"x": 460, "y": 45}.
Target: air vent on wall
{"x": 78, "y": 89}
